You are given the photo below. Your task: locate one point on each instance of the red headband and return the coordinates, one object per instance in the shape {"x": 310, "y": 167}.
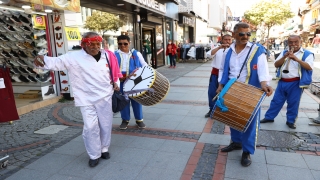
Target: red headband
{"x": 89, "y": 40}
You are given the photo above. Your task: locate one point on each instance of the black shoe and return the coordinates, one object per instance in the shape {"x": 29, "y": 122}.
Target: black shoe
{"x": 140, "y": 124}
{"x": 7, "y": 20}
{"x": 245, "y": 159}
{"x": 50, "y": 90}
{"x": 5, "y": 54}
{"x": 23, "y": 79}
{"x": 266, "y": 121}
{"x": 291, "y": 125}
{"x": 3, "y": 38}
{"x": 15, "y": 19}
{"x": 231, "y": 147}
{"x": 21, "y": 69}
{"x": 124, "y": 124}
{"x": 94, "y": 162}
{"x": 22, "y": 54}
{"x": 24, "y": 19}
{"x": 34, "y": 80}
{"x": 208, "y": 114}
{"x": 31, "y": 70}
{"x": 105, "y": 155}
{"x": 25, "y": 28}
{"x": 13, "y": 54}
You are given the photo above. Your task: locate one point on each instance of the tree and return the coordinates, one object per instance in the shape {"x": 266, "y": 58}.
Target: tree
{"x": 102, "y": 21}
{"x": 268, "y": 13}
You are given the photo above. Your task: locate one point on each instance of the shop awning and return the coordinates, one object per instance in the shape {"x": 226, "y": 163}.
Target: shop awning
{"x": 178, "y": 2}
{"x": 63, "y": 4}
{"x": 188, "y": 13}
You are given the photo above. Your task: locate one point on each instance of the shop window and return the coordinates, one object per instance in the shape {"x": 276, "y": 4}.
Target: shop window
{"x": 159, "y": 45}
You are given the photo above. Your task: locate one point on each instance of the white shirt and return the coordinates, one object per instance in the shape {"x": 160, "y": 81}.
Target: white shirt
{"x": 126, "y": 58}
{"x": 217, "y": 58}
{"x": 236, "y": 61}
{"x": 277, "y": 41}
{"x": 293, "y": 65}
{"x": 90, "y": 80}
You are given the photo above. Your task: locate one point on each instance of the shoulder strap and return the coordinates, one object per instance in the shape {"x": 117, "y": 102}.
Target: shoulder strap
{"x": 109, "y": 68}
{"x": 245, "y": 62}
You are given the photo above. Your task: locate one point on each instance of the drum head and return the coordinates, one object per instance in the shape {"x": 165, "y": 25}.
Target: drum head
{"x": 142, "y": 79}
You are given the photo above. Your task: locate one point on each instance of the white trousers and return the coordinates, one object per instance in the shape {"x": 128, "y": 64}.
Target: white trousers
{"x": 97, "y": 127}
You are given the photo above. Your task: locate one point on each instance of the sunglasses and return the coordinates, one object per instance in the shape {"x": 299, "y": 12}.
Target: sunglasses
{"x": 120, "y": 44}
{"x": 242, "y": 33}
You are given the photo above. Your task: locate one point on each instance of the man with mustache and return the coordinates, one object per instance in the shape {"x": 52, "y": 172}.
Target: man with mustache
{"x": 216, "y": 63}
{"x": 89, "y": 75}
{"x": 255, "y": 72}
{"x": 294, "y": 74}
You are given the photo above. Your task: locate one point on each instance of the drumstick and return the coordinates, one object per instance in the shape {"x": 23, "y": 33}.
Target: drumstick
{"x": 215, "y": 97}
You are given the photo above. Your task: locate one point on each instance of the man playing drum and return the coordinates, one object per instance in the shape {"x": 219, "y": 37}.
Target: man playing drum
{"x": 257, "y": 75}
{"x": 129, "y": 60}
{"x": 295, "y": 74}
{"x": 216, "y": 63}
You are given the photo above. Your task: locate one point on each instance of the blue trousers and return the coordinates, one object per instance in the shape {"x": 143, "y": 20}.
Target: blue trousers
{"x": 248, "y": 139}
{"x": 213, "y": 86}
{"x": 286, "y": 91}
{"x": 137, "y": 109}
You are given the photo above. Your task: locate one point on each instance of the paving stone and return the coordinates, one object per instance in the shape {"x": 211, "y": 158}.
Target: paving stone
{"x": 64, "y": 177}
{"x": 168, "y": 160}
{"x": 138, "y": 157}
{"x": 215, "y": 139}
{"x": 177, "y": 147}
{"x": 158, "y": 174}
{"x": 285, "y": 159}
{"x": 32, "y": 174}
{"x": 73, "y": 148}
{"x": 119, "y": 171}
{"x": 234, "y": 170}
{"x": 316, "y": 174}
{"x": 312, "y": 161}
{"x": 288, "y": 173}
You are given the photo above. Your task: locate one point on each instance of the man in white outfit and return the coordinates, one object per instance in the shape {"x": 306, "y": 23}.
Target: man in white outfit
{"x": 91, "y": 84}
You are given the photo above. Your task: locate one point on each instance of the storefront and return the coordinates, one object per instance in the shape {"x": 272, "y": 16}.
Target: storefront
{"x": 185, "y": 28}
{"x": 146, "y": 26}
{"x": 28, "y": 30}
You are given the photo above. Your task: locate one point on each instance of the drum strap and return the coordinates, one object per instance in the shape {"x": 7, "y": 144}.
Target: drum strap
{"x": 245, "y": 61}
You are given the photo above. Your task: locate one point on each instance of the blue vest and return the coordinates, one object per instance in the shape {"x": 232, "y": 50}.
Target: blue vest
{"x": 305, "y": 75}
{"x": 252, "y": 66}
{"x": 134, "y": 61}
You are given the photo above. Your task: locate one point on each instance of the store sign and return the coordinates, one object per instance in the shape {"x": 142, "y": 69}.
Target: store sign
{"x": 73, "y": 5}
{"x": 155, "y": 5}
{"x": 230, "y": 18}
{"x": 72, "y": 33}
{"x": 186, "y": 20}
{"x": 39, "y": 22}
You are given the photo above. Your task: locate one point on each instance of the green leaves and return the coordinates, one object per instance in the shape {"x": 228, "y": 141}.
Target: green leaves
{"x": 268, "y": 13}
{"x": 102, "y": 21}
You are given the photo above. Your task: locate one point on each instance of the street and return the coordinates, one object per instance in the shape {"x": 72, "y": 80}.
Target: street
{"x": 178, "y": 143}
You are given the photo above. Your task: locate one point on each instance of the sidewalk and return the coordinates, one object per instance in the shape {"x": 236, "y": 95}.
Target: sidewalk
{"x": 179, "y": 143}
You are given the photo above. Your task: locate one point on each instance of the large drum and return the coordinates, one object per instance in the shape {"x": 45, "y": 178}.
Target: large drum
{"x": 237, "y": 105}
{"x": 146, "y": 86}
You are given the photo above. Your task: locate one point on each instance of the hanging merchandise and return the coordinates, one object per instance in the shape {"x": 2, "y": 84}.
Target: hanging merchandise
{"x": 8, "y": 109}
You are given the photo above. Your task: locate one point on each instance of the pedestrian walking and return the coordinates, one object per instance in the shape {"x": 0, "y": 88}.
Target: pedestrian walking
{"x": 88, "y": 71}
{"x": 316, "y": 43}
{"x": 294, "y": 74}
{"x": 255, "y": 73}
{"x": 217, "y": 54}
{"x": 277, "y": 42}
{"x": 129, "y": 60}
{"x": 171, "y": 51}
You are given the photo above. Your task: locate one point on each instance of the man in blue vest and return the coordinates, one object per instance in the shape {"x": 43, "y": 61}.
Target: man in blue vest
{"x": 255, "y": 72}
{"x": 129, "y": 60}
{"x": 294, "y": 74}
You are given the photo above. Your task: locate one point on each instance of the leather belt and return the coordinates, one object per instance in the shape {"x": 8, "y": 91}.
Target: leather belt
{"x": 215, "y": 71}
{"x": 290, "y": 79}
